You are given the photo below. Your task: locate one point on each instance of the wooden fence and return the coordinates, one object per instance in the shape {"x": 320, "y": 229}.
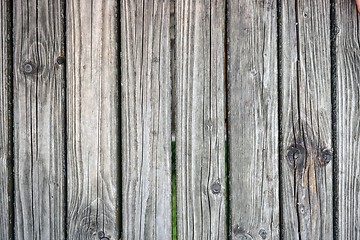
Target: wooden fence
{"x": 159, "y": 119}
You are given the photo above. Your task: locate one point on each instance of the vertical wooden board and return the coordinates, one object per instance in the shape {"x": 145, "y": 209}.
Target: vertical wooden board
{"x": 5, "y": 128}
{"x": 253, "y": 120}
{"x": 348, "y": 119}
{"x": 38, "y": 120}
{"x": 92, "y": 119}
{"x": 306, "y": 164}
{"x": 200, "y": 124}
{"x": 146, "y": 119}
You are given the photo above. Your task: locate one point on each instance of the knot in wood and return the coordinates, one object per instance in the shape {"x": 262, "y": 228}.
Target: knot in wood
{"x": 240, "y": 233}
{"x": 296, "y": 156}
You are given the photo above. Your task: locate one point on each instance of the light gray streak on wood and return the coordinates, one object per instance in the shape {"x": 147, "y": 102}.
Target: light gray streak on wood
{"x": 200, "y": 126}
{"x": 348, "y": 119}
{"x": 253, "y": 120}
{"x": 146, "y": 119}
{"x": 306, "y": 119}
{"x": 92, "y": 117}
{"x": 5, "y": 128}
{"x": 38, "y": 120}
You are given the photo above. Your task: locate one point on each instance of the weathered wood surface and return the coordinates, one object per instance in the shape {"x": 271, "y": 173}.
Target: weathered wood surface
{"x": 306, "y": 176}
{"x": 5, "y": 127}
{"x": 348, "y": 119}
{"x": 92, "y": 119}
{"x": 200, "y": 126}
{"x": 253, "y": 120}
{"x": 38, "y": 120}
{"x": 146, "y": 119}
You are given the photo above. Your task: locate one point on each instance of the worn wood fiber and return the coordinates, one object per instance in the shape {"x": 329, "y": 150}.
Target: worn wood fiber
{"x": 306, "y": 163}
{"x": 92, "y": 119}
{"x": 200, "y": 125}
{"x": 146, "y": 119}
{"x": 38, "y": 120}
{"x": 348, "y": 119}
{"x": 5, "y": 128}
{"x": 253, "y": 120}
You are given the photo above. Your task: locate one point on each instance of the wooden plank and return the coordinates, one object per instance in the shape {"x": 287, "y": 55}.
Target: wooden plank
{"x": 306, "y": 164}
{"x": 253, "y": 120}
{"x": 200, "y": 125}
{"x": 5, "y": 127}
{"x": 38, "y": 120}
{"x": 146, "y": 119}
{"x": 348, "y": 119}
{"x": 92, "y": 119}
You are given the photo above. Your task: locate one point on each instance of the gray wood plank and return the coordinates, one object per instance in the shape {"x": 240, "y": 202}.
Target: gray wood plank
{"x": 306, "y": 174}
{"x": 200, "y": 124}
{"x": 38, "y": 120}
{"x": 348, "y": 119}
{"x": 92, "y": 119}
{"x": 5, "y": 128}
{"x": 253, "y": 120}
{"x": 146, "y": 119}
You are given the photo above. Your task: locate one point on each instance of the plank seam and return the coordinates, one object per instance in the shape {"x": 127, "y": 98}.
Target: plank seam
{"x": 10, "y": 79}
{"x": 227, "y": 132}
{"x": 333, "y": 77}
{"x": 280, "y": 110}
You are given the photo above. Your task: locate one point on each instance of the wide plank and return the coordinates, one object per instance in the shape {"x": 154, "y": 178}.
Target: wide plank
{"x": 93, "y": 122}
{"x": 306, "y": 161}
{"x": 38, "y": 119}
{"x": 5, "y": 121}
{"x": 200, "y": 119}
{"x": 146, "y": 119}
{"x": 253, "y": 119}
{"x": 348, "y": 119}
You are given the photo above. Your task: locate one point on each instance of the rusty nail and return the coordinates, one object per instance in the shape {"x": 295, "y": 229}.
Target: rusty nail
{"x": 262, "y": 233}
{"x": 101, "y": 234}
{"x": 216, "y": 188}
{"x": 296, "y": 156}
{"x": 60, "y": 60}
{"x": 28, "y": 68}
{"x": 325, "y": 157}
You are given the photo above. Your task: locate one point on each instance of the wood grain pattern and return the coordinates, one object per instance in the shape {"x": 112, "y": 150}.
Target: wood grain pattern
{"x": 5, "y": 128}
{"x": 253, "y": 120}
{"x": 38, "y": 120}
{"x": 306, "y": 120}
{"x": 146, "y": 119}
{"x": 348, "y": 119}
{"x": 200, "y": 126}
{"x": 93, "y": 119}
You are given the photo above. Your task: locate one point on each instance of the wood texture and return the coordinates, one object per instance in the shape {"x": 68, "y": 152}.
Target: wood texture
{"x": 146, "y": 119}
{"x": 200, "y": 126}
{"x": 348, "y": 119}
{"x": 92, "y": 120}
{"x": 5, "y": 128}
{"x": 306, "y": 120}
{"x": 38, "y": 120}
{"x": 253, "y": 120}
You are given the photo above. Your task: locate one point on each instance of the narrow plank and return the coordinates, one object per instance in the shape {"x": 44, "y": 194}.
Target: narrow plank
{"x": 200, "y": 119}
{"x": 92, "y": 119}
{"x": 253, "y": 120}
{"x": 38, "y": 120}
{"x": 306, "y": 164}
{"x": 348, "y": 119}
{"x": 5, "y": 128}
{"x": 146, "y": 119}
